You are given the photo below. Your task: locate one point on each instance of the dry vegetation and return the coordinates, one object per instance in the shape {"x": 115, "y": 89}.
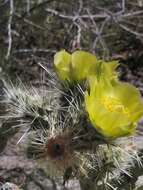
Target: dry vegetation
{"x": 31, "y": 31}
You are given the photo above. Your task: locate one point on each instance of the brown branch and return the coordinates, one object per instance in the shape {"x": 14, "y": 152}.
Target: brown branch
{"x": 9, "y": 28}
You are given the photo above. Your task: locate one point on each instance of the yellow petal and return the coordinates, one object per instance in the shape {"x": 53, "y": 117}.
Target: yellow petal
{"x": 109, "y": 124}
{"x": 83, "y": 64}
{"x": 109, "y": 70}
{"x": 62, "y": 63}
{"x": 130, "y": 98}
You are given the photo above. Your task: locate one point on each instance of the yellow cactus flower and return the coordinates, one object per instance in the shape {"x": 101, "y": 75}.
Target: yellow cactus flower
{"x": 104, "y": 71}
{"x": 76, "y": 66}
{"x": 109, "y": 70}
{"x": 62, "y": 62}
{"x": 83, "y": 65}
{"x": 114, "y": 108}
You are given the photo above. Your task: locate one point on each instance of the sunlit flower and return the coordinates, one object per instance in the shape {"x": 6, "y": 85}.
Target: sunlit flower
{"x": 104, "y": 71}
{"x": 108, "y": 70}
{"x": 114, "y": 108}
{"x": 62, "y": 63}
{"x": 76, "y": 66}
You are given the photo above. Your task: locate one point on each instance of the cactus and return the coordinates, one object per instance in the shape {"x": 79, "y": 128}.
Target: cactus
{"x": 58, "y": 130}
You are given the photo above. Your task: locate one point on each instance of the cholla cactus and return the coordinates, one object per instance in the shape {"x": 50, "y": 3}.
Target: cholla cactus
{"x": 73, "y": 130}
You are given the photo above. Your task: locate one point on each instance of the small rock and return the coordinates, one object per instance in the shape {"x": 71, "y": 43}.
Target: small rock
{"x": 9, "y": 186}
{"x": 139, "y": 183}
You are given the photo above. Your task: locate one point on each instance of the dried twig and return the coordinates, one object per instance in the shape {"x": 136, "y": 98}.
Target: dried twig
{"x": 74, "y": 17}
{"x": 11, "y": 2}
{"x": 30, "y": 22}
{"x": 28, "y": 6}
{"x": 34, "y": 51}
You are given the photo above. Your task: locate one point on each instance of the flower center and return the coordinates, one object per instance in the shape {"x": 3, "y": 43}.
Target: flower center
{"x": 114, "y": 105}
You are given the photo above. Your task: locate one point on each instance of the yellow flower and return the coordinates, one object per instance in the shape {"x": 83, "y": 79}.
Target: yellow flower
{"x": 62, "y": 62}
{"x": 104, "y": 71}
{"x": 113, "y": 108}
{"x": 76, "y": 66}
{"x": 109, "y": 70}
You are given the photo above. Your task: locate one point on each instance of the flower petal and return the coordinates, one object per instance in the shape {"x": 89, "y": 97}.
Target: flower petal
{"x": 62, "y": 62}
{"x": 130, "y": 98}
{"x": 107, "y": 123}
{"x": 83, "y": 64}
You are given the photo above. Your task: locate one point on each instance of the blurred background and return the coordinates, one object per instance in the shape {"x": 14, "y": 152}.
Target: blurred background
{"x": 32, "y": 31}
